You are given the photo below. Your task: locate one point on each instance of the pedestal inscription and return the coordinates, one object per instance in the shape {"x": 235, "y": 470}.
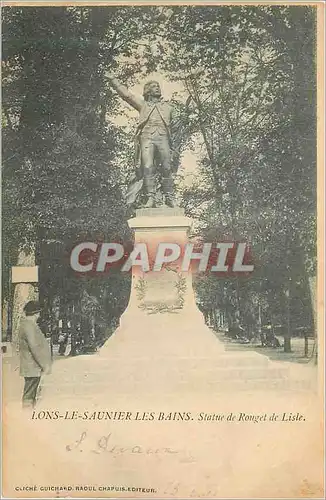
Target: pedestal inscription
{"x": 161, "y": 292}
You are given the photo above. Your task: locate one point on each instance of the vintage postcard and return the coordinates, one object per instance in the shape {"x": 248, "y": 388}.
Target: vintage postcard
{"x": 162, "y": 243}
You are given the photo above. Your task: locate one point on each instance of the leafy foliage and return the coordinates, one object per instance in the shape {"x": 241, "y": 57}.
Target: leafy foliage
{"x": 248, "y": 112}
{"x": 254, "y": 119}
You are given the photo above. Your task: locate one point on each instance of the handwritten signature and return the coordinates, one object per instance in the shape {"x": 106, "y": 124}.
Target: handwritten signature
{"x": 105, "y": 444}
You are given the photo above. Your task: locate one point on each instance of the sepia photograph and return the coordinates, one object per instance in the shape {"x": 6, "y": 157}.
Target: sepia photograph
{"x": 162, "y": 249}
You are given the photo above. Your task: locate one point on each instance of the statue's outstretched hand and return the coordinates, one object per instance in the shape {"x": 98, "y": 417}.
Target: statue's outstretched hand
{"x": 123, "y": 92}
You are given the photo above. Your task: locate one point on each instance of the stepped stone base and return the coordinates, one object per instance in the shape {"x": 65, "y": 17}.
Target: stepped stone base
{"x": 143, "y": 362}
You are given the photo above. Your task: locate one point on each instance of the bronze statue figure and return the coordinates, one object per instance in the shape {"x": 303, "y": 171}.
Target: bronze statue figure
{"x": 155, "y": 154}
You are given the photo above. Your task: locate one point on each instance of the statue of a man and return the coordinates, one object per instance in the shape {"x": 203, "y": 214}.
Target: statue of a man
{"x": 154, "y": 148}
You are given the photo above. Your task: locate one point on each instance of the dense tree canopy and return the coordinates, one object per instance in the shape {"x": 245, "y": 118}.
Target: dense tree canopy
{"x": 254, "y": 113}
{"x": 248, "y": 111}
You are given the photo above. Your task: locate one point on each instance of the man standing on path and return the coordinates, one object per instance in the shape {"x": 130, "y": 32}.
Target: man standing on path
{"x": 35, "y": 353}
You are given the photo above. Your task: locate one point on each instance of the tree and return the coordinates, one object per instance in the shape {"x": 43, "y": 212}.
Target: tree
{"x": 62, "y": 177}
{"x": 248, "y": 112}
{"x": 254, "y": 119}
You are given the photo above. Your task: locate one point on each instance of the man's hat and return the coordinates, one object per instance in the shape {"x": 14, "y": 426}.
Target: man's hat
{"x": 32, "y": 307}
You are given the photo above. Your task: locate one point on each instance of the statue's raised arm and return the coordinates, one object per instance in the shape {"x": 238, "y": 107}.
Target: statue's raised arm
{"x": 134, "y": 101}
{"x": 153, "y": 144}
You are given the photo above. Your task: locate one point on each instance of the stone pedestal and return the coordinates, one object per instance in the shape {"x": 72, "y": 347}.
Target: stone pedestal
{"x": 162, "y": 318}
{"x": 163, "y": 343}
{"x": 168, "y": 290}
{"x": 163, "y": 346}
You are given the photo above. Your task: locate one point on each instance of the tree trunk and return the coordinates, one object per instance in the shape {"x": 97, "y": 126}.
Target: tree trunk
{"x": 287, "y": 343}
{"x": 23, "y": 292}
{"x": 312, "y": 287}
{"x": 287, "y": 333}
{"x": 306, "y": 344}
{"x": 5, "y": 320}
{"x": 260, "y": 331}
